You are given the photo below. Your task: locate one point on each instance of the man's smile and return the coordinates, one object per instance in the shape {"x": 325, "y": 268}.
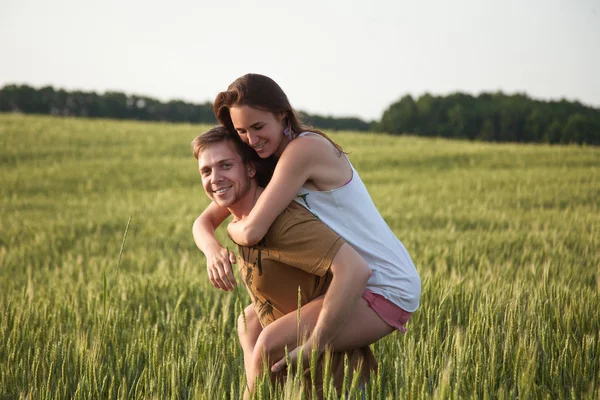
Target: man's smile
{"x": 222, "y": 190}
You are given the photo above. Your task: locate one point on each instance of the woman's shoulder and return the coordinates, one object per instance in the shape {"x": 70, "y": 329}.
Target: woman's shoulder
{"x": 312, "y": 136}
{"x": 311, "y": 145}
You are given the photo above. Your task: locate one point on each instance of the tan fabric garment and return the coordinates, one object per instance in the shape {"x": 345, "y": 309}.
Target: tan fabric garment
{"x": 297, "y": 251}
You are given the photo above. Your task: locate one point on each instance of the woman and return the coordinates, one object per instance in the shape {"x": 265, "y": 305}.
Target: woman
{"x": 314, "y": 171}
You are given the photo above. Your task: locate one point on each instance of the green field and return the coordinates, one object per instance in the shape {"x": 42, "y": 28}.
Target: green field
{"x": 506, "y": 239}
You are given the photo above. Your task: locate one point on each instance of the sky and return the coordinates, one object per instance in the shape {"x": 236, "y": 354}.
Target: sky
{"x": 338, "y": 57}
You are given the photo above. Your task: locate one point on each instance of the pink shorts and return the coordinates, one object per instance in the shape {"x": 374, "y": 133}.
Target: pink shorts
{"x": 388, "y": 311}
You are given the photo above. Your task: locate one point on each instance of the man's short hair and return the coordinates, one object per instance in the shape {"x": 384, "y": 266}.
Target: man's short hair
{"x": 219, "y": 134}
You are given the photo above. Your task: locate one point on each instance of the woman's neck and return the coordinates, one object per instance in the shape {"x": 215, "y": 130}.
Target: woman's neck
{"x": 284, "y": 143}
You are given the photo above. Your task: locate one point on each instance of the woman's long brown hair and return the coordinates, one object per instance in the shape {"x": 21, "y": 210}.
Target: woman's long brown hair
{"x": 263, "y": 93}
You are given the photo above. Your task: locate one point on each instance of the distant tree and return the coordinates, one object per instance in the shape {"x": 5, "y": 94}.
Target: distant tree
{"x": 335, "y": 123}
{"x": 535, "y": 125}
{"x": 401, "y": 116}
{"x": 488, "y": 131}
{"x": 428, "y": 112}
{"x": 581, "y": 129}
{"x": 553, "y": 133}
{"x": 117, "y": 104}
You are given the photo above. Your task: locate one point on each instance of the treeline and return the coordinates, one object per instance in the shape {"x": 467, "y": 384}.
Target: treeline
{"x": 493, "y": 117}
{"x": 488, "y": 117}
{"x": 47, "y": 100}
{"x": 337, "y": 123}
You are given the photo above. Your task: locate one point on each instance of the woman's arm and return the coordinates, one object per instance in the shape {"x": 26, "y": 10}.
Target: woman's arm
{"x": 218, "y": 258}
{"x": 350, "y": 276}
{"x": 299, "y": 162}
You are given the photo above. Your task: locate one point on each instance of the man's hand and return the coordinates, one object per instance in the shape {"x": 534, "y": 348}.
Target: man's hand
{"x": 218, "y": 266}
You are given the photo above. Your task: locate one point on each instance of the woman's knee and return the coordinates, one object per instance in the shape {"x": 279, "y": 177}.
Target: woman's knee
{"x": 268, "y": 347}
{"x": 261, "y": 348}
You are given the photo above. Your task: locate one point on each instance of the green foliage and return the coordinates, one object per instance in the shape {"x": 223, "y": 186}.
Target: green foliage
{"x": 335, "y": 123}
{"x": 117, "y": 105}
{"x": 493, "y": 117}
{"x": 400, "y": 117}
{"x": 505, "y": 238}
{"x": 489, "y": 117}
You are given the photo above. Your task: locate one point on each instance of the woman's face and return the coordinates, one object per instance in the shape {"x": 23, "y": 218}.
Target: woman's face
{"x": 262, "y": 130}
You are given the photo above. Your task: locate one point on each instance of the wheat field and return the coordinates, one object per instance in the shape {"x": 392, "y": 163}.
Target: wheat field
{"x": 506, "y": 239}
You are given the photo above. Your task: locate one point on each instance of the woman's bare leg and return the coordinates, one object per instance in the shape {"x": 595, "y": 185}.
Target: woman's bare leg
{"x": 362, "y": 329}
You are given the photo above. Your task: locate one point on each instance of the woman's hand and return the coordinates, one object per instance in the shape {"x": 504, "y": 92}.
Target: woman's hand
{"x": 306, "y": 350}
{"x": 218, "y": 265}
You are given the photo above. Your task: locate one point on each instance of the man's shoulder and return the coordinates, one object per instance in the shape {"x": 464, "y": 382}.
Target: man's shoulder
{"x": 293, "y": 215}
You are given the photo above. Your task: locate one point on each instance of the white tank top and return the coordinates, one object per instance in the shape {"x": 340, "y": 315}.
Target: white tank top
{"x": 351, "y": 213}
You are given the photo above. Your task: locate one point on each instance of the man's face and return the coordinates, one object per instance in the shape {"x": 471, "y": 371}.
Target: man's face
{"x": 225, "y": 177}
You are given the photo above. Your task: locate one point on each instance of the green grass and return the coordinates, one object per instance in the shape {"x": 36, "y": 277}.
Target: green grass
{"x": 505, "y": 237}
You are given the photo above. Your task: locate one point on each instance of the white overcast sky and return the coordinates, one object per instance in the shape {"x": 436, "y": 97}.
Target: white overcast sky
{"x": 342, "y": 58}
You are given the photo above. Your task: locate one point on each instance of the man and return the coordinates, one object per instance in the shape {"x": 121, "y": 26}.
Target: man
{"x": 299, "y": 260}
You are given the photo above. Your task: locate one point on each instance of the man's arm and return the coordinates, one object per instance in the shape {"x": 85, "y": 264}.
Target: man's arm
{"x": 218, "y": 258}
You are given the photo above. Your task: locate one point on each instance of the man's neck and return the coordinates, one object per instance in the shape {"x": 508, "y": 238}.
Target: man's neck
{"x": 243, "y": 206}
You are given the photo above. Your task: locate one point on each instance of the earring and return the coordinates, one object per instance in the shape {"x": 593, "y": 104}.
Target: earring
{"x": 288, "y": 132}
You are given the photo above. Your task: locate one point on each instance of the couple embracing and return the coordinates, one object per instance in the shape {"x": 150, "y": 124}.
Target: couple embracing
{"x": 305, "y": 226}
